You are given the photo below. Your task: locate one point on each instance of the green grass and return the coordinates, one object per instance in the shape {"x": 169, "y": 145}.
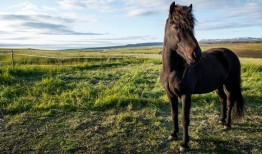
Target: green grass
{"x": 112, "y": 102}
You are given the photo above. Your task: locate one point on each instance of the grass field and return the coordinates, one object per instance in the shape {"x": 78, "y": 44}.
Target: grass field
{"x": 111, "y": 101}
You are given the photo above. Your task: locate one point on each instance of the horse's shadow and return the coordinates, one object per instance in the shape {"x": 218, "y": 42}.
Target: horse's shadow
{"x": 218, "y": 146}
{"x": 209, "y": 144}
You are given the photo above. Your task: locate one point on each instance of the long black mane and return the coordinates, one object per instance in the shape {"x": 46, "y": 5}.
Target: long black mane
{"x": 182, "y": 17}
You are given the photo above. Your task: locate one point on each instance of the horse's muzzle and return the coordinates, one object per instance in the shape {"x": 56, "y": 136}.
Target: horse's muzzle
{"x": 195, "y": 57}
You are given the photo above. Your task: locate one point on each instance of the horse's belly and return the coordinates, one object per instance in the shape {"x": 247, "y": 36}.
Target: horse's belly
{"x": 206, "y": 86}
{"x": 206, "y": 90}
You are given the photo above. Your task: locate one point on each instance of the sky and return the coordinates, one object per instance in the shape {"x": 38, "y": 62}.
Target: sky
{"x": 64, "y": 24}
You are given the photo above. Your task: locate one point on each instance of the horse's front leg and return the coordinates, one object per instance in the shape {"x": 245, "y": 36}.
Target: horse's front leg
{"x": 174, "y": 114}
{"x": 186, "y": 104}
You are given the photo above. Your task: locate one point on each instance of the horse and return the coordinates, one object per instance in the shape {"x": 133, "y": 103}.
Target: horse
{"x": 186, "y": 70}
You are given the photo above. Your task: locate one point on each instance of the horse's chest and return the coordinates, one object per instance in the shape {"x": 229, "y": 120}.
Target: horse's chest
{"x": 180, "y": 84}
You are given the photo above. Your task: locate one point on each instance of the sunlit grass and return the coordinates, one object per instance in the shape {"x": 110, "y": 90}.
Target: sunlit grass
{"x": 113, "y": 105}
{"x": 251, "y": 61}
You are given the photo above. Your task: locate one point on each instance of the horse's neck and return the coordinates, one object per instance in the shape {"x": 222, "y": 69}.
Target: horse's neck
{"x": 172, "y": 62}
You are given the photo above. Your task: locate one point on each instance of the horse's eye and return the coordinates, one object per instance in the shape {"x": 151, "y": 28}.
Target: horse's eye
{"x": 175, "y": 27}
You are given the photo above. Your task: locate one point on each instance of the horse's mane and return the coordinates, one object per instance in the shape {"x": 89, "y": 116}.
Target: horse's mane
{"x": 182, "y": 17}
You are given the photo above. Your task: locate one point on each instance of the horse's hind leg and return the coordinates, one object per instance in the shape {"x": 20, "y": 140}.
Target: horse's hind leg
{"x": 230, "y": 103}
{"x": 233, "y": 92}
{"x": 223, "y": 99}
{"x": 231, "y": 98}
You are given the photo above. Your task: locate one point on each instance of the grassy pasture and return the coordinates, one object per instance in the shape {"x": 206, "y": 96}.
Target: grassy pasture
{"x": 112, "y": 102}
{"x": 251, "y": 50}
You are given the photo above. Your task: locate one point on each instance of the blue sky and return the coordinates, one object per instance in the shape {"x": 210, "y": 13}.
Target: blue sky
{"x": 59, "y": 24}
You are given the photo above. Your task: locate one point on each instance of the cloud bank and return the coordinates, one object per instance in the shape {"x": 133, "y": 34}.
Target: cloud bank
{"x": 105, "y": 22}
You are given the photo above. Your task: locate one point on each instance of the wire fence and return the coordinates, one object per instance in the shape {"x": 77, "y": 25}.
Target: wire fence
{"x": 53, "y": 59}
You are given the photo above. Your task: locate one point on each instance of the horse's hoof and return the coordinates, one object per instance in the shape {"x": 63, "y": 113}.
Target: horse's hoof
{"x": 183, "y": 149}
{"x": 172, "y": 138}
{"x": 227, "y": 127}
{"x": 222, "y": 122}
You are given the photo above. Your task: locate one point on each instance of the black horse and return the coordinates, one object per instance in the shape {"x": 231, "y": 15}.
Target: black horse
{"x": 186, "y": 71}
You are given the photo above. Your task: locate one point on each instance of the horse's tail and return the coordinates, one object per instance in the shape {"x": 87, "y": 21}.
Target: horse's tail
{"x": 239, "y": 105}
{"x": 238, "y": 109}
{"x": 234, "y": 85}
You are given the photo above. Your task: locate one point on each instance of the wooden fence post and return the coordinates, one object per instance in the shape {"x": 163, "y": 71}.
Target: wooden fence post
{"x": 13, "y": 62}
{"x": 1, "y": 116}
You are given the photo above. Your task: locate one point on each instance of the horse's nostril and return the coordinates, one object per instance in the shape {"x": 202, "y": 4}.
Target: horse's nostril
{"x": 194, "y": 55}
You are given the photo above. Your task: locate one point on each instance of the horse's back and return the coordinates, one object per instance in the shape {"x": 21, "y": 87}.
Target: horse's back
{"x": 225, "y": 56}
{"x": 222, "y": 52}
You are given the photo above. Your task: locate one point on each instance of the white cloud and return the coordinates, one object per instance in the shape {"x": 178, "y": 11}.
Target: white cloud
{"x": 39, "y": 24}
{"x": 65, "y": 23}
{"x": 145, "y": 7}
{"x": 126, "y": 38}
{"x": 99, "y": 5}
{"x": 25, "y": 8}
{"x": 27, "y": 17}
{"x": 232, "y": 15}
{"x": 49, "y": 9}
{"x": 36, "y": 17}
{"x": 81, "y": 18}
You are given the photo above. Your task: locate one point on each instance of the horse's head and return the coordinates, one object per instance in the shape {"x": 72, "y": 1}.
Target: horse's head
{"x": 179, "y": 33}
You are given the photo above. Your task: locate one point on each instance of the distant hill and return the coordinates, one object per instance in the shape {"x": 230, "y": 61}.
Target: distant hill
{"x": 204, "y": 41}
{"x": 233, "y": 40}
{"x": 149, "y": 44}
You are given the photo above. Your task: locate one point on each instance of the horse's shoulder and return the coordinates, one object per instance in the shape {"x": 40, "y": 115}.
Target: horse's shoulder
{"x": 218, "y": 51}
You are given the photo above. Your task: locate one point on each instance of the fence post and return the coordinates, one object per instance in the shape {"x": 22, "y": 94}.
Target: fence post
{"x": 1, "y": 116}
{"x": 13, "y": 62}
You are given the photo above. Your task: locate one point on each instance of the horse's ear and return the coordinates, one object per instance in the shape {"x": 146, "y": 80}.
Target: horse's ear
{"x": 190, "y": 8}
{"x": 172, "y": 8}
